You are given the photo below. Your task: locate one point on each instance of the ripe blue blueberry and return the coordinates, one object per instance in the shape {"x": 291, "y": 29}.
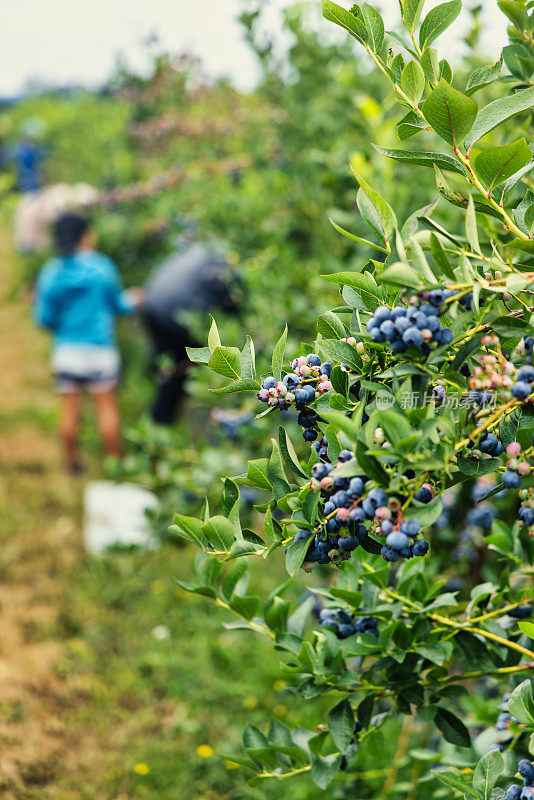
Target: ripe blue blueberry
{"x": 513, "y": 792}
{"x": 326, "y": 368}
{"x": 269, "y": 382}
{"x": 521, "y": 390}
{"x": 433, "y": 324}
{"x": 413, "y": 337}
{"x": 398, "y": 312}
{"x": 377, "y": 335}
{"x": 511, "y": 479}
{"x": 397, "y": 540}
{"x": 381, "y": 314}
{"x": 526, "y": 770}
{"x": 526, "y": 515}
{"x": 378, "y": 497}
{"x": 389, "y": 555}
{"x": 388, "y": 330}
{"x": 291, "y": 380}
{"x": 436, "y": 297}
{"x": 444, "y": 336}
{"x": 410, "y": 527}
{"x": 355, "y": 487}
{"x": 402, "y": 324}
{"x": 423, "y": 495}
{"x": 521, "y": 612}
{"x": 420, "y": 548}
{"x": 309, "y": 434}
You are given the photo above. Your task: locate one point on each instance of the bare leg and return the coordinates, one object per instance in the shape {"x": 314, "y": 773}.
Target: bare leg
{"x": 107, "y": 412}
{"x": 70, "y": 419}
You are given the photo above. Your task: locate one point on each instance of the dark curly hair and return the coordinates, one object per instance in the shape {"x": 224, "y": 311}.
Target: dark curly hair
{"x": 68, "y": 230}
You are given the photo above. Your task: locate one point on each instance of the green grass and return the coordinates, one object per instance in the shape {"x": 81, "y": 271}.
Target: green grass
{"x": 156, "y": 700}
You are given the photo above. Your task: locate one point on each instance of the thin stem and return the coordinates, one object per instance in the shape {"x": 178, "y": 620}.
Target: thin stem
{"x": 486, "y": 424}
{"x": 510, "y": 224}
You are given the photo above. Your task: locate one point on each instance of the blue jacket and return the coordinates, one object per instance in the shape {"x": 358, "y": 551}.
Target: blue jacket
{"x": 77, "y": 298}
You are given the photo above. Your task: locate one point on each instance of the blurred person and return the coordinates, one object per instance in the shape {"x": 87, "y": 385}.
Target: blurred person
{"x": 28, "y": 156}
{"x": 194, "y": 277}
{"x": 77, "y": 297}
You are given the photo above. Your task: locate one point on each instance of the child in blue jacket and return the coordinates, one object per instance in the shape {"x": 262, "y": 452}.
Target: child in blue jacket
{"x": 78, "y": 295}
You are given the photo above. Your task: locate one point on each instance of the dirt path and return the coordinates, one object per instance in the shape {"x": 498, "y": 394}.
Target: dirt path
{"x": 40, "y": 546}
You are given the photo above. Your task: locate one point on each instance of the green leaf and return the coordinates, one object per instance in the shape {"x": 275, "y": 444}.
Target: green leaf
{"x": 288, "y": 453}
{"x": 452, "y": 728}
{"x": 226, "y": 361}
{"x": 189, "y": 528}
{"x": 471, "y": 229}
{"x": 521, "y": 703}
{"x": 497, "y": 164}
{"x": 329, "y": 325}
{"x": 482, "y": 76}
{"x": 342, "y": 723}
{"x": 510, "y": 326}
{"x": 437, "y": 21}
{"x": 440, "y": 257}
{"x": 526, "y": 625}
{"x": 214, "y": 340}
{"x": 244, "y": 385}
{"x": 411, "y": 13}
{"x": 220, "y": 533}
{"x": 198, "y": 355}
{"x": 248, "y": 360}
{"x": 375, "y": 211}
{"x": 410, "y": 125}
{"x": 370, "y": 293}
{"x": 413, "y": 81}
{"x": 354, "y": 25}
{"x": 472, "y": 467}
{"x": 450, "y": 112}
{"x": 375, "y": 27}
{"x": 324, "y": 769}
{"x": 355, "y": 238}
{"x": 278, "y": 355}
{"x": 498, "y": 112}
{"x": 455, "y": 781}
{"x": 401, "y": 274}
{"x": 295, "y": 554}
{"x": 245, "y": 607}
{"x": 487, "y": 772}
{"x": 442, "y": 160}
{"x": 516, "y": 12}
{"x": 430, "y": 64}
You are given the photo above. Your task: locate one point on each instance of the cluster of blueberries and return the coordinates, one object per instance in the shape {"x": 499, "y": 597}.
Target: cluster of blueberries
{"x": 344, "y": 624}
{"x": 525, "y": 792}
{"x": 349, "y": 503}
{"x": 310, "y": 378}
{"x": 411, "y": 326}
{"x": 524, "y": 382}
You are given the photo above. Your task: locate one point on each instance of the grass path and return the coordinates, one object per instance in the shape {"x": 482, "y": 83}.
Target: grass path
{"x": 40, "y": 546}
{"x": 110, "y": 678}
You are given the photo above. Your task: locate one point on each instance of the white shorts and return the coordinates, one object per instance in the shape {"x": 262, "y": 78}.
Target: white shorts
{"x": 78, "y": 366}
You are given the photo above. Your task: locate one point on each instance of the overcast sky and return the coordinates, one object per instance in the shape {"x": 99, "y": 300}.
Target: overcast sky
{"x": 64, "y": 41}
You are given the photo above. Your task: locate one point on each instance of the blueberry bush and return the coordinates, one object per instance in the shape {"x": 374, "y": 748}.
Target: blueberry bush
{"x": 415, "y": 405}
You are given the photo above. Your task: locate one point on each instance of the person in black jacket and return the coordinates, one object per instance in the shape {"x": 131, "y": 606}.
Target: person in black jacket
{"x": 194, "y": 277}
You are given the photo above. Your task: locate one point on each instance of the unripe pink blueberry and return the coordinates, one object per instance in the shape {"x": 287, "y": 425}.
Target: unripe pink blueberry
{"x": 379, "y": 435}
{"x": 281, "y": 388}
{"x": 272, "y": 401}
{"x": 273, "y": 392}
{"x": 360, "y": 348}
{"x": 289, "y": 397}
{"x": 327, "y": 483}
{"x": 513, "y": 463}
{"x": 263, "y": 395}
{"x": 305, "y": 371}
{"x": 523, "y": 468}
{"x": 314, "y": 484}
{"x": 324, "y": 386}
{"x": 383, "y": 513}
{"x": 513, "y": 449}
{"x": 342, "y": 514}
{"x": 427, "y": 334}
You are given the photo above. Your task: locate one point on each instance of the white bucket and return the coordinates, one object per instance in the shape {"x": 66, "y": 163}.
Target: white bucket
{"x": 114, "y": 513}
